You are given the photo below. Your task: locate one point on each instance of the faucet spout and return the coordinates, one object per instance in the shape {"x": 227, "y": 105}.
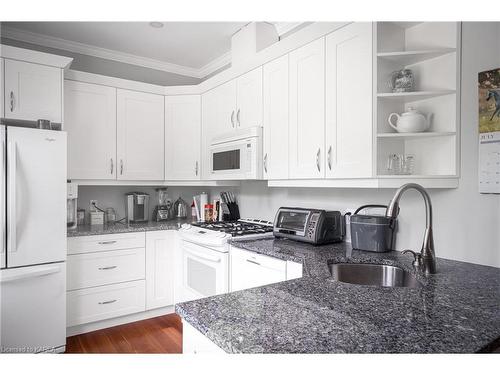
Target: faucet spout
{"x": 427, "y": 258}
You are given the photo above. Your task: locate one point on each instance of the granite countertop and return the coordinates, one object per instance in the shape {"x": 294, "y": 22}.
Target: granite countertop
{"x": 92, "y": 230}
{"x": 456, "y": 310}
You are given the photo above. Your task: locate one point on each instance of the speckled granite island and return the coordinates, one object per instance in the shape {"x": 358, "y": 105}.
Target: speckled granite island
{"x": 456, "y": 310}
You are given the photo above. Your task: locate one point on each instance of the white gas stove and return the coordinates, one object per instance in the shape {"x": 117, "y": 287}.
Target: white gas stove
{"x": 205, "y": 255}
{"x": 217, "y": 234}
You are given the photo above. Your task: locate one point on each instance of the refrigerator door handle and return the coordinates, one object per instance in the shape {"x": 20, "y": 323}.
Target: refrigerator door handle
{"x": 16, "y": 274}
{"x": 11, "y": 193}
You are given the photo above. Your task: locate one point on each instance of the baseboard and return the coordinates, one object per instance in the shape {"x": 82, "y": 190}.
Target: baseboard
{"x": 94, "y": 326}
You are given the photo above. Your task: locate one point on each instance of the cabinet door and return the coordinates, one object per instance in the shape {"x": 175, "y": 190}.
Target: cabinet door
{"x": 160, "y": 250}
{"x": 182, "y": 137}
{"x": 249, "y": 270}
{"x": 307, "y": 110}
{"x": 32, "y": 91}
{"x": 349, "y": 101}
{"x": 90, "y": 120}
{"x": 140, "y": 136}
{"x": 249, "y": 99}
{"x": 275, "y": 158}
{"x": 218, "y": 116}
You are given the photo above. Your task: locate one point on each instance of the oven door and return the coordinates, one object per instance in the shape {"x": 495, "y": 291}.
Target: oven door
{"x": 235, "y": 160}
{"x": 205, "y": 272}
{"x": 292, "y": 221}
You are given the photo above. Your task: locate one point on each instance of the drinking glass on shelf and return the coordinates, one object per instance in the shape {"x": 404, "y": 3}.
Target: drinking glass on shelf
{"x": 400, "y": 164}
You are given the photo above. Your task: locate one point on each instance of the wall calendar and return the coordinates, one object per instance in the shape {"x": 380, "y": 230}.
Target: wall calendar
{"x": 489, "y": 131}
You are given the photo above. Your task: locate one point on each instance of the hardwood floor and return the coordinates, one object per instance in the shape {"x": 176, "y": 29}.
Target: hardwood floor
{"x": 162, "y": 334}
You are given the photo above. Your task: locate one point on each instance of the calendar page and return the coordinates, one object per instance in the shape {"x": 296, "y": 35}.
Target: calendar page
{"x": 489, "y": 131}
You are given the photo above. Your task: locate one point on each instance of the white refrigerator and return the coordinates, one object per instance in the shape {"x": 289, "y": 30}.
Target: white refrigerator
{"x": 33, "y": 240}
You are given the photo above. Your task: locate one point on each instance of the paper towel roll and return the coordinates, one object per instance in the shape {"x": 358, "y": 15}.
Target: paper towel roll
{"x": 203, "y": 202}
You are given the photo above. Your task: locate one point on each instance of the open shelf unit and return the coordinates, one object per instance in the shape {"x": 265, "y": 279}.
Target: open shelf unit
{"x": 432, "y": 51}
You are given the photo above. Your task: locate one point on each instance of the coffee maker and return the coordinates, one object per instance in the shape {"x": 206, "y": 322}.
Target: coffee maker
{"x": 72, "y": 200}
{"x": 163, "y": 210}
{"x": 136, "y": 207}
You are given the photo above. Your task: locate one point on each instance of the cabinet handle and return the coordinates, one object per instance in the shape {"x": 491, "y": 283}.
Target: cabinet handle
{"x": 232, "y": 118}
{"x": 196, "y": 169}
{"x": 330, "y": 158}
{"x": 121, "y": 166}
{"x": 107, "y": 242}
{"x": 107, "y": 302}
{"x": 317, "y": 159}
{"x": 112, "y": 166}
{"x": 107, "y": 268}
{"x": 238, "y": 118}
{"x": 12, "y": 101}
{"x": 265, "y": 162}
{"x": 253, "y": 261}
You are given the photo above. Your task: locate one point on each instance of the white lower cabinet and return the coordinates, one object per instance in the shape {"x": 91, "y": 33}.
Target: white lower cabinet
{"x": 105, "y": 302}
{"x": 114, "y": 275}
{"x": 249, "y": 270}
{"x": 160, "y": 251}
{"x": 107, "y": 267}
{"x": 195, "y": 342}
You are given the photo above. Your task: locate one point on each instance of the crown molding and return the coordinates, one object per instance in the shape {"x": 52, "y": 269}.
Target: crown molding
{"x": 86, "y": 49}
{"x": 285, "y": 27}
{"x": 215, "y": 64}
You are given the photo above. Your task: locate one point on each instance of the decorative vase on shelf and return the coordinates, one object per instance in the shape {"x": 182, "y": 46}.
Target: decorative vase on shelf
{"x": 401, "y": 81}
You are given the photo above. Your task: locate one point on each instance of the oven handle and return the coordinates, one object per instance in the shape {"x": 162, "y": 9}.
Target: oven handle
{"x": 203, "y": 257}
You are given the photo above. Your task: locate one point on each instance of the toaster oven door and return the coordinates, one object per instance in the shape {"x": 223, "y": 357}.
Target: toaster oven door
{"x": 292, "y": 221}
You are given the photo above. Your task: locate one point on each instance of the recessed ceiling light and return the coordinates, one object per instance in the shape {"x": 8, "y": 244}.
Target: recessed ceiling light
{"x": 156, "y": 25}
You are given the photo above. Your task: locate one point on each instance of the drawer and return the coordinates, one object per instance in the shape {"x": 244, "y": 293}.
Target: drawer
{"x": 105, "y": 267}
{"x": 105, "y": 242}
{"x": 258, "y": 259}
{"x": 105, "y": 302}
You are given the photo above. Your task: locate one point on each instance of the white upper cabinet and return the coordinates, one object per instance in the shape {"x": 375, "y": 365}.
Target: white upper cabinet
{"x": 218, "y": 116}
{"x": 349, "y": 96}
{"x": 182, "y": 137}
{"x": 249, "y": 99}
{"x": 275, "y": 157}
{"x": 90, "y": 121}
{"x": 140, "y": 135}
{"x": 307, "y": 110}
{"x": 32, "y": 91}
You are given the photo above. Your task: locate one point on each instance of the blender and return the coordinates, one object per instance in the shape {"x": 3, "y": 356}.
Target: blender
{"x": 163, "y": 210}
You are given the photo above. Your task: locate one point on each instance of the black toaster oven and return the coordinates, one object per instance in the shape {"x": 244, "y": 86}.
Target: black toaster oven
{"x": 313, "y": 226}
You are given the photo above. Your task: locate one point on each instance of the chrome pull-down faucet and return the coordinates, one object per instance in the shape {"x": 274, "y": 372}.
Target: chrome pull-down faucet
{"x": 426, "y": 260}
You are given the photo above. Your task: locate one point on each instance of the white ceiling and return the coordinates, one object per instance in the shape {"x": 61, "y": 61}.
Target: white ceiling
{"x": 190, "y": 48}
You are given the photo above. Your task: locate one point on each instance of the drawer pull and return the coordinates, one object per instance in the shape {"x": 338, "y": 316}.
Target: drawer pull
{"x": 107, "y": 302}
{"x": 107, "y": 268}
{"x": 253, "y": 261}
{"x": 107, "y": 242}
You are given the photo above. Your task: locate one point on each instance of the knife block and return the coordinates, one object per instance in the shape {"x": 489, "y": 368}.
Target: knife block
{"x": 230, "y": 212}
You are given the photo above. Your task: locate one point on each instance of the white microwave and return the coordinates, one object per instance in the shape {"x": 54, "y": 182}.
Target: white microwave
{"x": 237, "y": 156}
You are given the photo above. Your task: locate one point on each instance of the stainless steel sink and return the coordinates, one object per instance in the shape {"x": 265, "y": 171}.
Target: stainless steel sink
{"x": 372, "y": 274}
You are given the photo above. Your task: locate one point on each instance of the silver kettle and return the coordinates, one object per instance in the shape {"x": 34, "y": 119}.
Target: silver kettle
{"x": 180, "y": 209}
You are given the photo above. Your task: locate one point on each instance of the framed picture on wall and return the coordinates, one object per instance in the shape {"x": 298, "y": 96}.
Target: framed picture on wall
{"x": 489, "y": 131}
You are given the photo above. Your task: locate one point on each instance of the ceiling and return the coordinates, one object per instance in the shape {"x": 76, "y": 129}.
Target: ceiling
{"x": 193, "y": 49}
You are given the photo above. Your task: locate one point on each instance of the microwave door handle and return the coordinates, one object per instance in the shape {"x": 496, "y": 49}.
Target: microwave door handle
{"x": 11, "y": 202}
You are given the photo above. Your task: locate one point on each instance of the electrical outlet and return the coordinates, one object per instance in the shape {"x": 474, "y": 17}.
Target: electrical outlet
{"x": 92, "y": 203}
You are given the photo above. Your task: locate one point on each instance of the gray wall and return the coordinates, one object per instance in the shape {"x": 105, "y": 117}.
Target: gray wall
{"x": 111, "y": 68}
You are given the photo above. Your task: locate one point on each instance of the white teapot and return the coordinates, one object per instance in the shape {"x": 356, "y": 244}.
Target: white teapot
{"x": 411, "y": 121}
